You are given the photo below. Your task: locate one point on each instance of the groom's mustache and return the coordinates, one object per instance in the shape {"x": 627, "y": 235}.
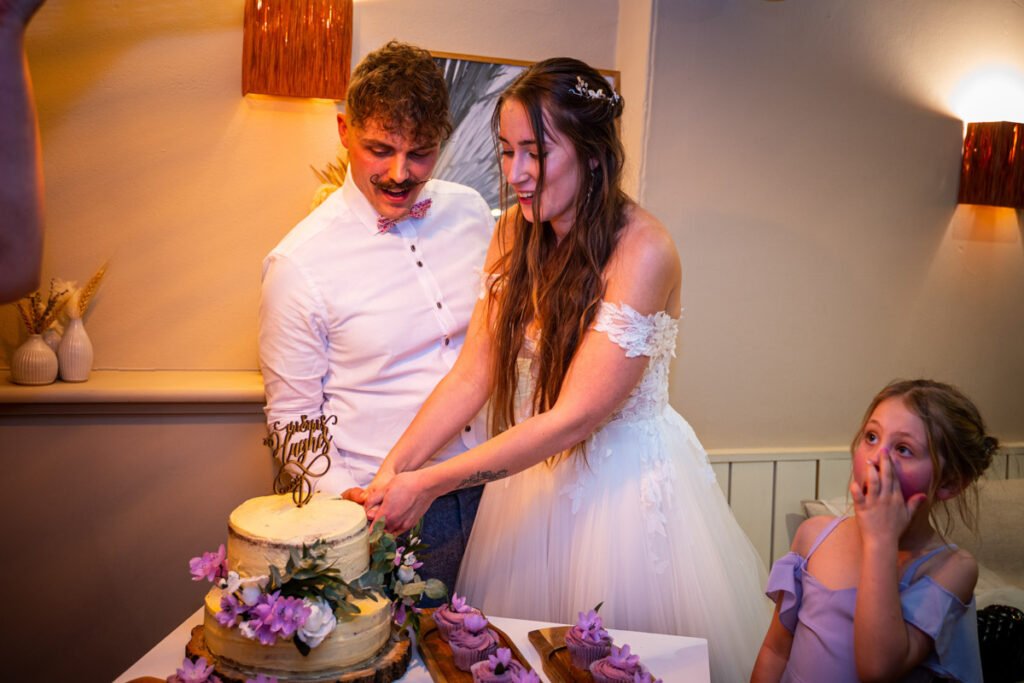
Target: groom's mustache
{"x": 392, "y": 186}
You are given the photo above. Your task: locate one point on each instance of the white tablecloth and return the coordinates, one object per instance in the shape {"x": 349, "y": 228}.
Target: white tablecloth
{"x": 671, "y": 658}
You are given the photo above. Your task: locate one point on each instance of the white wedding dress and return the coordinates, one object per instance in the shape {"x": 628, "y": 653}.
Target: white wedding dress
{"x": 641, "y": 526}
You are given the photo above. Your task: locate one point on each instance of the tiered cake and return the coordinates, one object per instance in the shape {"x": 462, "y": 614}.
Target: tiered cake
{"x": 265, "y": 532}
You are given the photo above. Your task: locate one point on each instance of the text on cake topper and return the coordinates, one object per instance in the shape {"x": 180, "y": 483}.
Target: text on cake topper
{"x": 303, "y": 448}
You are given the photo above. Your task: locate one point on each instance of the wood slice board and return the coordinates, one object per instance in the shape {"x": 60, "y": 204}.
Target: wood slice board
{"x": 437, "y": 655}
{"x": 389, "y": 665}
{"x": 550, "y": 644}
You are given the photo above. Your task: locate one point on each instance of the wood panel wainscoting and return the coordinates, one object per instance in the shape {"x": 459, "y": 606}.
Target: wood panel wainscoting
{"x": 765, "y": 487}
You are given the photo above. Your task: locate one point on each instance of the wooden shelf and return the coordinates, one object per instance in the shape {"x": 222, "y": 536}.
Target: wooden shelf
{"x": 122, "y": 391}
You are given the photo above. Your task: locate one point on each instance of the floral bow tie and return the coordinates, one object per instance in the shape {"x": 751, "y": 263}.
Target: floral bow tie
{"x": 418, "y": 210}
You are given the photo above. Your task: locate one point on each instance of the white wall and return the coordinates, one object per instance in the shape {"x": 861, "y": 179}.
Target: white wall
{"x": 154, "y": 161}
{"x": 806, "y": 157}
{"x": 804, "y": 154}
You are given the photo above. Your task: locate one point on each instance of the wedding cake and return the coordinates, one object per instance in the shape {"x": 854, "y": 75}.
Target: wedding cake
{"x": 252, "y": 626}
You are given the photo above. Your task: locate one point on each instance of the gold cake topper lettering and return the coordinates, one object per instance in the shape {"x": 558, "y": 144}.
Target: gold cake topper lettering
{"x": 304, "y": 459}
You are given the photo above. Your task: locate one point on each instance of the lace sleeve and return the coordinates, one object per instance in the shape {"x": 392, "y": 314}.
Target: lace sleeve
{"x": 638, "y": 334}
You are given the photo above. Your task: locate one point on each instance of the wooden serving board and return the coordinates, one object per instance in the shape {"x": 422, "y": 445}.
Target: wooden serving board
{"x": 437, "y": 655}
{"x": 388, "y": 665}
{"x": 550, "y": 644}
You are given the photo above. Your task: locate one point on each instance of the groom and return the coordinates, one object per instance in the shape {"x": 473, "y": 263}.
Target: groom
{"x": 366, "y": 301}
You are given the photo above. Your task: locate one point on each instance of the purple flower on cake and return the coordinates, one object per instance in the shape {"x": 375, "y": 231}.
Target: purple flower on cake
{"x": 497, "y": 668}
{"x": 620, "y": 658}
{"x": 590, "y": 627}
{"x": 474, "y": 623}
{"x": 459, "y": 604}
{"x": 319, "y": 624}
{"x": 620, "y": 665}
{"x": 231, "y": 611}
{"x": 274, "y": 617}
{"x": 411, "y": 561}
{"x": 500, "y": 660}
{"x": 288, "y": 615}
{"x": 643, "y": 675}
{"x": 399, "y": 612}
{"x": 199, "y": 671}
{"x": 209, "y": 566}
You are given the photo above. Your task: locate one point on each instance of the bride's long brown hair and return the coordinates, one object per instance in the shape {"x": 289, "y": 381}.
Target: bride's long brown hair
{"x": 537, "y": 279}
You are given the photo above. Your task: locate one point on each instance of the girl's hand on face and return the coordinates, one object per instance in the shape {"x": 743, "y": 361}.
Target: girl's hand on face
{"x": 882, "y": 514}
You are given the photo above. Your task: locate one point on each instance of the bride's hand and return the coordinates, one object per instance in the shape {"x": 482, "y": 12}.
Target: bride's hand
{"x": 374, "y": 493}
{"x": 404, "y": 502}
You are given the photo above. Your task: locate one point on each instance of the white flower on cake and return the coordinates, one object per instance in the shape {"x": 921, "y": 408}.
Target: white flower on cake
{"x": 319, "y": 624}
{"x": 406, "y": 574}
{"x": 252, "y": 589}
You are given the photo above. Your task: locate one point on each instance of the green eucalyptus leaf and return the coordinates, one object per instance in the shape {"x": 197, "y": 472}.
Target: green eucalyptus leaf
{"x": 436, "y": 589}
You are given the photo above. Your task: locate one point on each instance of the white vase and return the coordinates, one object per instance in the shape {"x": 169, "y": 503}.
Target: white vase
{"x": 34, "y": 362}
{"x": 52, "y": 339}
{"x": 75, "y": 352}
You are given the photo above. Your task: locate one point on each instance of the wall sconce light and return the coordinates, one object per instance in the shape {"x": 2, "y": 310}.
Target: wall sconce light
{"x": 297, "y": 48}
{"x": 993, "y": 164}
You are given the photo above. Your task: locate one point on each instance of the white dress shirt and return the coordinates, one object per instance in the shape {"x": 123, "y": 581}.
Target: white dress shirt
{"x": 362, "y": 325}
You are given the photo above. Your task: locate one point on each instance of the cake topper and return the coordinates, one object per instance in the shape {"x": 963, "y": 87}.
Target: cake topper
{"x": 303, "y": 448}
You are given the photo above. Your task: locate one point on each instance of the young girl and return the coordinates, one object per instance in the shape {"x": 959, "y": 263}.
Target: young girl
{"x": 880, "y": 596}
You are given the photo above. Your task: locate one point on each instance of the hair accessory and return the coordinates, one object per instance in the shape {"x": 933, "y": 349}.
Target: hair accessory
{"x": 581, "y": 89}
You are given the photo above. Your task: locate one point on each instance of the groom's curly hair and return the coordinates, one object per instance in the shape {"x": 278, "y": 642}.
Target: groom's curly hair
{"x": 400, "y": 88}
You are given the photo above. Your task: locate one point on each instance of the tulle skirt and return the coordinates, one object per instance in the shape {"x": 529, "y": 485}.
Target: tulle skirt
{"x": 641, "y": 527}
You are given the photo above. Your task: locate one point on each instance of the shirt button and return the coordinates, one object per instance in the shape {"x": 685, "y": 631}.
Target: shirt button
{"x": 419, "y": 263}
{"x": 468, "y": 428}
{"x": 439, "y": 304}
{"x": 447, "y": 341}
{"x": 413, "y": 247}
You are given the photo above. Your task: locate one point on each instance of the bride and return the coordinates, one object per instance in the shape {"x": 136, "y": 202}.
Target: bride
{"x": 599, "y": 491}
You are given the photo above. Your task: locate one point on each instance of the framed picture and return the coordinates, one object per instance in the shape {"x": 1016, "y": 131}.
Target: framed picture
{"x": 474, "y": 84}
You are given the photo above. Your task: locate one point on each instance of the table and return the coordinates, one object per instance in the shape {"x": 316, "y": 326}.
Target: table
{"x": 673, "y": 658}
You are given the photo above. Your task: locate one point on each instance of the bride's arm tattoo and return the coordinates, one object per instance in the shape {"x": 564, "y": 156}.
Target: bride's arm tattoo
{"x": 478, "y": 478}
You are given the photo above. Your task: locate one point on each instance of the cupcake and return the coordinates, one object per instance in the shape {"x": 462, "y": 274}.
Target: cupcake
{"x": 617, "y": 667}
{"x": 473, "y": 643}
{"x": 449, "y": 617}
{"x": 497, "y": 668}
{"x": 587, "y": 641}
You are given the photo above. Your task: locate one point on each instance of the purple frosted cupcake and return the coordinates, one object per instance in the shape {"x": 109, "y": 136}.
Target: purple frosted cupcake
{"x": 617, "y": 667}
{"x": 497, "y": 668}
{"x": 473, "y": 643}
{"x": 587, "y": 641}
{"x": 449, "y": 617}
